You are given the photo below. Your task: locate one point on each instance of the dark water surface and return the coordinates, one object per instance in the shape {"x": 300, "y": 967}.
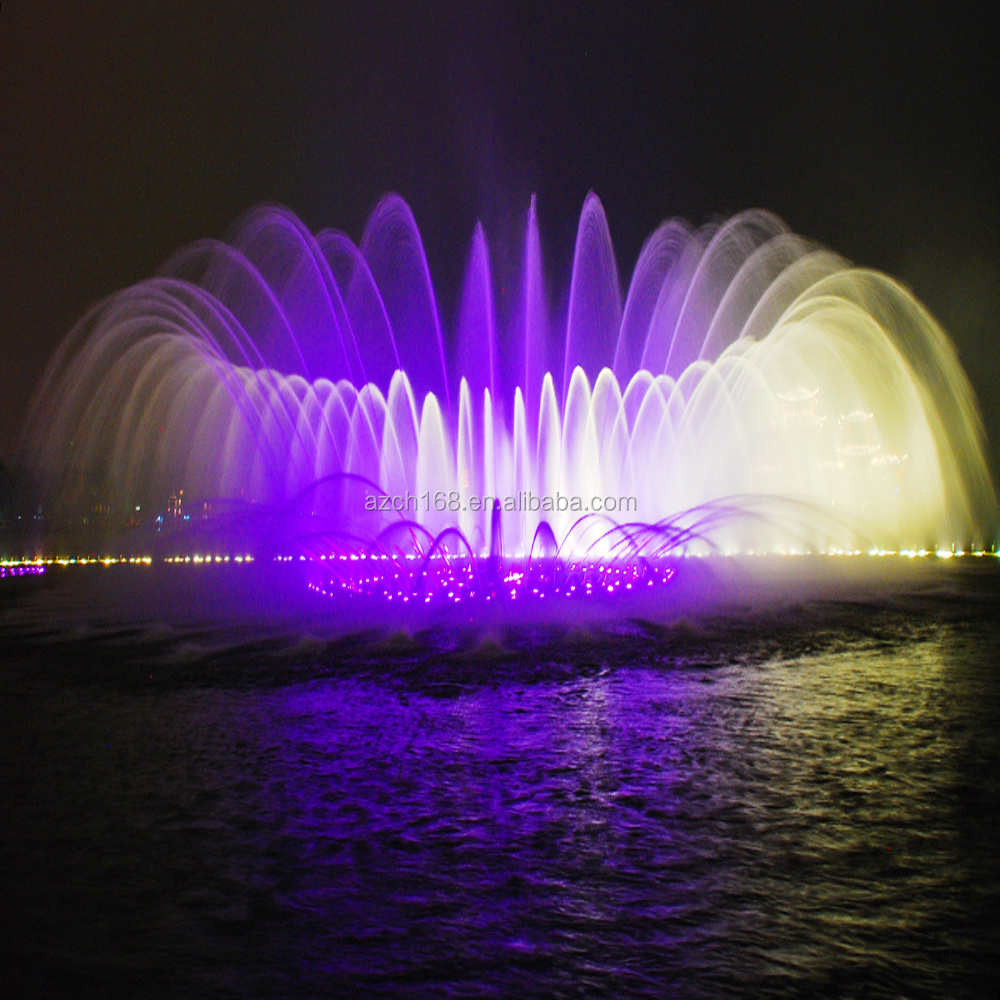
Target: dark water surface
{"x": 796, "y": 801}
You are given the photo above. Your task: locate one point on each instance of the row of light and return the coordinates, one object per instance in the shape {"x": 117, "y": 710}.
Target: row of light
{"x": 79, "y": 561}
{"x": 199, "y": 559}
{"x": 458, "y": 581}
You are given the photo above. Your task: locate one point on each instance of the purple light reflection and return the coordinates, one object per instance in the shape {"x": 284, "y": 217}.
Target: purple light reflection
{"x": 489, "y": 804}
{"x": 21, "y": 570}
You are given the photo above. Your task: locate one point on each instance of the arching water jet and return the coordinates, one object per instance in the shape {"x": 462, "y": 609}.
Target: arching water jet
{"x": 753, "y": 394}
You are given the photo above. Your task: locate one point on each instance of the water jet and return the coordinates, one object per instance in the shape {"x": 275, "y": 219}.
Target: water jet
{"x": 294, "y": 395}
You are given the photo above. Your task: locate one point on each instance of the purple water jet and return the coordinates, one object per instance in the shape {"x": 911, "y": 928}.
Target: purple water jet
{"x": 297, "y": 395}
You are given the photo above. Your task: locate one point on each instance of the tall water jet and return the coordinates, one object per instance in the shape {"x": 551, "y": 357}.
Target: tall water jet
{"x": 751, "y": 392}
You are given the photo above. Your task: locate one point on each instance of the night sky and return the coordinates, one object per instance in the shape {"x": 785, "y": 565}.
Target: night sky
{"x": 128, "y": 133}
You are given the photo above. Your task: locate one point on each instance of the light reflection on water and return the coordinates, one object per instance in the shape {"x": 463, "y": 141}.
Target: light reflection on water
{"x": 815, "y": 820}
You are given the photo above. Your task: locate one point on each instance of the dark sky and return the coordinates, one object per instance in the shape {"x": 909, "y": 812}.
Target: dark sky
{"x": 127, "y": 133}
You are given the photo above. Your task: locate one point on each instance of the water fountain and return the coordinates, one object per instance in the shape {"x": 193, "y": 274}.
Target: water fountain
{"x": 753, "y": 393}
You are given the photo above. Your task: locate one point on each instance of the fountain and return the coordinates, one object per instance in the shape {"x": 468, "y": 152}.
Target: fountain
{"x": 297, "y": 396}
